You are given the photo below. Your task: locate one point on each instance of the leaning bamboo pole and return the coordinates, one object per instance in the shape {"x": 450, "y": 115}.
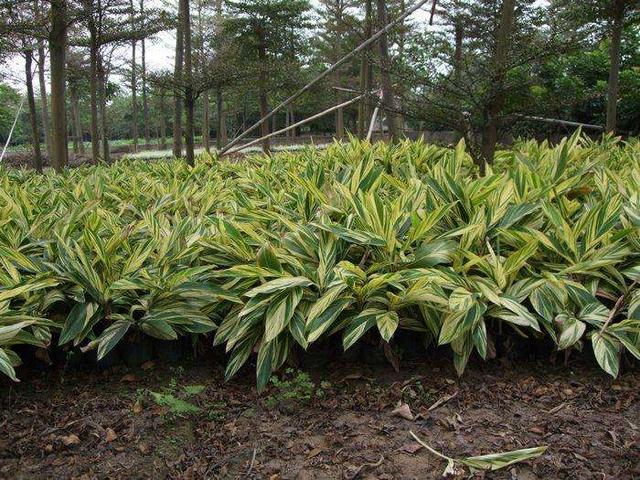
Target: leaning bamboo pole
{"x": 328, "y": 71}
{"x": 297, "y": 124}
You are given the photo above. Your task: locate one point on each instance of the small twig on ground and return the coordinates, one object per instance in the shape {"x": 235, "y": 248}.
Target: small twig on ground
{"x": 443, "y": 400}
{"x": 253, "y": 459}
{"x": 359, "y": 469}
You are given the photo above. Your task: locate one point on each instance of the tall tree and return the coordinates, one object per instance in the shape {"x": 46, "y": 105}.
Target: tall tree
{"x": 42, "y": 60}
{"x": 497, "y": 94}
{"x": 266, "y": 31}
{"x": 143, "y": 75}
{"x": 35, "y": 134}
{"x": 57, "y": 49}
{"x": 366, "y": 72}
{"x": 388, "y": 94}
{"x": 177, "y": 94}
{"x": 134, "y": 82}
{"x": 189, "y": 95}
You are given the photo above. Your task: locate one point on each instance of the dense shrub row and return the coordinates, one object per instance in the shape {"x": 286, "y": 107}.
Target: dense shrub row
{"x": 267, "y": 254}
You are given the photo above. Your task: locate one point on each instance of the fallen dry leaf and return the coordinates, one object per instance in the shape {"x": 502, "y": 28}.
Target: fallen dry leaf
{"x": 129, "y": 377}
{"x": 148, "y": 365}
{"x": 314, "y": 453}
{"x": 536, "y": 429}
{"x": 71, "y": 439}
{"x": 111, "y": 435}
{"x": 403, "y": 411}
{"x": 143, "y": 447}
{"x": 412, "y": 447}
{"x": 137, "y": 407}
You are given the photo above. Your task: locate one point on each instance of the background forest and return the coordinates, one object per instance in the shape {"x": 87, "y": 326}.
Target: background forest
{"x": 480, "y": 68}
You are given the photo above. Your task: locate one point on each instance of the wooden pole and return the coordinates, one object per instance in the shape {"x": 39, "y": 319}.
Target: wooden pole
{"x": 295, "y": 125}
{"x": 563, "y": 122}
{"x": 373, "y": 122}
{"x": 328, "y": 71}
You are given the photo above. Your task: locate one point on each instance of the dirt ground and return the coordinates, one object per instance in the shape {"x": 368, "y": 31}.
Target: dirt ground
{"x": 66, "y": 424}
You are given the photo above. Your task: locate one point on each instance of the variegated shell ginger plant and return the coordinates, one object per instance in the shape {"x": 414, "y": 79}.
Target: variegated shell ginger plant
{"x": 267, "y": 255}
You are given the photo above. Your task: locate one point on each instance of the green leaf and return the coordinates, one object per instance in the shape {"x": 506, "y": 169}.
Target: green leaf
{"x": 359, "y": 325}
{"x": 387, "y": 325}
{"x": 571, "y": 331}
{"x": 607, "y": 351}
{"x": 357, "y": 237}
{"x": 6, "y": 365}
{"x": 461, "y": 299}
{"x": 324, "y": 320}
{"x": 279, "y": 284}
{"x": 79, "y": 316}
{"x": 268, "y": 259}
{"x": 10, "y": 331}
{"x": 265, "y": 363}
{"x": 158, "y": 328}
{"x": 280, "y": 312}
{"x": 457, "y": 324}
{"x": 111, "y": 336}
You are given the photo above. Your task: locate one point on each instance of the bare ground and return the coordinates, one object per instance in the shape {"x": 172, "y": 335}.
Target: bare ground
{"x": 65, "y": 424}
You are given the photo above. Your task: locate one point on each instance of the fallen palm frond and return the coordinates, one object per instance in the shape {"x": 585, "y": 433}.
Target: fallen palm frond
{"x": 272, "y": 254}
{"x": 492, "y": 461}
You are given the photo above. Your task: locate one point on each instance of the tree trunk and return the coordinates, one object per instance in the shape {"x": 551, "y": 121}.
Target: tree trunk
{"x": 338, "y": 74}
{"x": 189, "y": 100}
{"x": 388, "y": 97}
{"x": 292, "y": 120}
{"x": 614, "y": 69}
{"x": 41, "y": 61}
{"x": 134, "y": 96}
{"x": 221, "y": 114}
{"x": 364, "y": 112}
{"x": 221, "y": 117}
{"x": 75, "y": 122}
{"x": 457, "y": 55}
{"x": 33, "y": 116}
{"x": 102, "y": 97}
{"x": 497, "y": 93}
{"x": 145, "y": 100}
{"x": 401, "y": 49}
{"x": 44, "y": 102}
{"x": 177, "y": 96}
{"x": 206, "y": 130}
{"x": 262, "y": 94}
{"x": 57, "y": 49}
{"x": 93, "y": 94}
{"x": 163, "y": 122}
